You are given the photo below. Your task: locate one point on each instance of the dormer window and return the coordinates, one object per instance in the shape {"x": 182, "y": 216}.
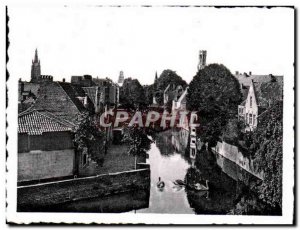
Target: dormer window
{"x": 250, "y": 102}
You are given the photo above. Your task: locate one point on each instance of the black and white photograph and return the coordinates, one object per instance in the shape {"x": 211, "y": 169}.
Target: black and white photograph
{"x": 162, "y": 114}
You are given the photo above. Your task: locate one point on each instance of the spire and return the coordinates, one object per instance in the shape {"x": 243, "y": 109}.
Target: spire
{"x": 35, "y": 68}
{"x": 36, "y": 59}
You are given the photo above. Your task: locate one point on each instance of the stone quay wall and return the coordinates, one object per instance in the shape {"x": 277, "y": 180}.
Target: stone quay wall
{"x": 35, "y": 197}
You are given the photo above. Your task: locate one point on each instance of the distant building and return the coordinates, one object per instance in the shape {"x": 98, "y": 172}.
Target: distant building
{"x": 35, "y": 68}
{"x": 28, "y": 91}
{"x": 83, "y": 81}
{"x": 261, "y": 95}
{"x": 121, "y": 78}
{"x": 172, "y": 92}
{"x": 36, "y": 76}
{"x": 202, "y": 59}
{"x": 105, "y": 93}
{"x": 179, "y": 102}
{"x": 45, "y": 147}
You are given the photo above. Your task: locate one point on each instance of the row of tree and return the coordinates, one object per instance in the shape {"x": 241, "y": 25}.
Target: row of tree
{"x": 133, "y": 95}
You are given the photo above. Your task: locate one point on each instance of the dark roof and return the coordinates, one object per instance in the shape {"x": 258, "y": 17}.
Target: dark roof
{"x": 267, "y": 93}
{"x": 91, "y": 93}
{"x": 31, "y": 87}
{"x": 73, "y": 92}
{"x": 58, "y": 100}
{"x": 35, "y": 122}
{"x": 246, "y": 79}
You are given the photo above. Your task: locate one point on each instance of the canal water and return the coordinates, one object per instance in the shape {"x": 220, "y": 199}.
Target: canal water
{"x": 169, "y": 159}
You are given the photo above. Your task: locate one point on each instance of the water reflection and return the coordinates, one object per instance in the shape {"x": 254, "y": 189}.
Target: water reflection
{"x": 125, "y": 202}
{"x": 169, "y": 158}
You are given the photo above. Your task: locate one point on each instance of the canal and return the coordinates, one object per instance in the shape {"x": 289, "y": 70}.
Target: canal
{"x": 229, "y": 185}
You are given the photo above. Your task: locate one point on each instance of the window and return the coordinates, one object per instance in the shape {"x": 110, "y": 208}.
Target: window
{"x": 254, "y": 119}
{"x": 193, "y": 152}
{"x": 250, "y": 118}
{"x": 247, "y": 117}
{"x": 84, "y": 159}
{"x": 250, "y": 102}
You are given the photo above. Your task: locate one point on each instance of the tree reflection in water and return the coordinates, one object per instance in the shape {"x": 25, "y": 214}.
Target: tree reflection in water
{"x": 229, "y": 188}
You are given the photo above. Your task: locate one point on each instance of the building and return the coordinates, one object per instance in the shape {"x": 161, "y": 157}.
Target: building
{"x": 28, "y": 91}
{"x": 36, "y": 76}
{"x": 35, "y": 68}
{"x": 121, "y": 78}
{"x": 172, "y": 92}
{"x": 179, "y": 102}
{"x": 105, "y": 93}
{"x": 45, "y": 147}
{"x": 83, "y": 81}
{"x": 62, "y": 99}
{"x": 202, "y": 59}
{"x": 245, "y": 79}
{"x": 260, "y": 96}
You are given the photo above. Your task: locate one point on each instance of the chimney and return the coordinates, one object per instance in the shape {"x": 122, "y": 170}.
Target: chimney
{"x": 64, "y": 80}
{"x": 236, "y": 72}
{"x": 250, "y": 73}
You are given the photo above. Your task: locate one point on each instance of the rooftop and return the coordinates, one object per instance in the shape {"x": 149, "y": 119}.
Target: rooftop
{"x": 246, "y": 79}
{"x": 35, "y": 122}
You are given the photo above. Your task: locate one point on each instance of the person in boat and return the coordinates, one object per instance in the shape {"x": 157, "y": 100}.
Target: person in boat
{"x": 160, "y": 184}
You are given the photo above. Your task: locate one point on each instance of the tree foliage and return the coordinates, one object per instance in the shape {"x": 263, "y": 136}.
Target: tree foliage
{"x": 137, "y": 139}
{"x": 132, "y": 94}
{"x": 149, "y": 93}
{"x": 214, "y": 92}
{"x": 88, "y": 138}
{"x": 267, "y": 148}
{"x": 167, "y": 77}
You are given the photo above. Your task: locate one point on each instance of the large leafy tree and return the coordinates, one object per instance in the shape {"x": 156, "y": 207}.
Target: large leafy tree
{"x": 167, "y": 77}
{"x": 215, "y": 94}
{"x": 132, "y": 94}
{"x": 267, "y": 149}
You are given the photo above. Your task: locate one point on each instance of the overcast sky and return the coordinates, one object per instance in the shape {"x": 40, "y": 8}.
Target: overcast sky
{"x": 101, "y": 41}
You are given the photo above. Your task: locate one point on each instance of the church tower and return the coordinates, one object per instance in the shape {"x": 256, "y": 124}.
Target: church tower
{"x": 202, "y": 59}
{"x": 35, "y": 68}
{"x": 121, "y": 78}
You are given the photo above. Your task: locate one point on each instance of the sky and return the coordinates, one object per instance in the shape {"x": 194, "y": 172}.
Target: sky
{"x": 102, "y": 41}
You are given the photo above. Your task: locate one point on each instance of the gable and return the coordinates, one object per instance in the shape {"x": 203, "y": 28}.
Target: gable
{"x": 54, "y": 99}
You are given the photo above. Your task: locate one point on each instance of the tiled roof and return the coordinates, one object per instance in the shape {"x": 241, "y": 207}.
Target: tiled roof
{"x": 58, "y": 100}
{"x": 35, "y": 122}
{"x": 246, "y": 79}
